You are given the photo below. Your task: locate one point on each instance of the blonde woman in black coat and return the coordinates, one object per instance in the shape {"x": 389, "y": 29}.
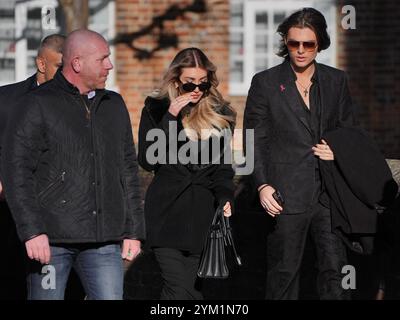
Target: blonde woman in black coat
{"x": 191, "y": 121}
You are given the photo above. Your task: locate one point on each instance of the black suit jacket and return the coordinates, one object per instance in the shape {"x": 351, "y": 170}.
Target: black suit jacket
{"x": 283, "y": 138}
{"x": 9, "y": 96}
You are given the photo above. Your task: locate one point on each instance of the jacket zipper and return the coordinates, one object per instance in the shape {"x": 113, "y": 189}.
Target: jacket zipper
{"x": 86, "y": 108}
{"x": 99, "y": 219}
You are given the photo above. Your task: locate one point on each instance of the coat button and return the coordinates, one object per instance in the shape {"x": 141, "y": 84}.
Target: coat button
{"x": 94, "y": 212}
{"x": 63, "y": 201}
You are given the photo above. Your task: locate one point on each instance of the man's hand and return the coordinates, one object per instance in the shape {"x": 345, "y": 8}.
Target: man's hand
{"x": 38, "y": 248}
{"x": 323, "y": 151}
{"x": 268, "y": 202}
{"x": 130, "y": 249}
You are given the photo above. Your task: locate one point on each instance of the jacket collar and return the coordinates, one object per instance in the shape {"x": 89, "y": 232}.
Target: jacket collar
{"x": 64, "y": 84}
{"x": 156, "y": 108}
{"x": 288, "y": 74}
{"x": 32, "y": 82}
{"x": 289, "y": 90}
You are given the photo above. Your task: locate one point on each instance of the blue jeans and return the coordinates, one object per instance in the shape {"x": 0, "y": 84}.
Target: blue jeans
{"x": 99, "y": 267}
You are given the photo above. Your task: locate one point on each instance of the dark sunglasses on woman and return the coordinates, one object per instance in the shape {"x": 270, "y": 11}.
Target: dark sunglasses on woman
{"x": 190, "y": 86}
{"x": 307, "y": 45}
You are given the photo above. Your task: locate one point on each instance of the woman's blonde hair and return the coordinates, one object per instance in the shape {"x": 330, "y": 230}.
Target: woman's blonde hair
{"x": 212, "y": 111}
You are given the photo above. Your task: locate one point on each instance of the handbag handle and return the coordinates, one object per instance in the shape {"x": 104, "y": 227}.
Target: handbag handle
{"x": 217, "y": 216}
{"x": 227, "y": 232}
{"x": 231, "y": 242}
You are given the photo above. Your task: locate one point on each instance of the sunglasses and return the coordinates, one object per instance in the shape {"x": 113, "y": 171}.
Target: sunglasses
{"x": 307, "y": 45}
{"x": 190, "y": 86}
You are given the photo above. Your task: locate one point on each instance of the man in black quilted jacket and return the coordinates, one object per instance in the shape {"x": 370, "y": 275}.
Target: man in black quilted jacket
{"x": 70, "y": 176}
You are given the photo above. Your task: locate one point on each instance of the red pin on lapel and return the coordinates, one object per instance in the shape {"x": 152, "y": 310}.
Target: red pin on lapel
{"x": 282, "y": 87}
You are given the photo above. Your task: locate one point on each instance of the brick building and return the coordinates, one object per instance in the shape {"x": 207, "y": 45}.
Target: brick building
{"x": 239, "y": 37}
{"x": 370, "y": 55}
{"x": 241, "y": 32}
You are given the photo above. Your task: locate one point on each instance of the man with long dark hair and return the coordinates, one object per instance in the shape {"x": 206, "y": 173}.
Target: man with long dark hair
{"x": 289, "y": 107}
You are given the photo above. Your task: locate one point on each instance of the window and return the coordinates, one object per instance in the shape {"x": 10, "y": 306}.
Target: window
{"x": 21, "y": 32}
{"x": 7, "y": 46}
{"x": 102, "y": 20}
{"x": 254, "y": 41}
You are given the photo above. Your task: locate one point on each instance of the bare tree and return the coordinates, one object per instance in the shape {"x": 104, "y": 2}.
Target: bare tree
{"x": 76, "y": 13}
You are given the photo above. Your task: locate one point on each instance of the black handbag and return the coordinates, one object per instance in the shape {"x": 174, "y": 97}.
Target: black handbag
{"x": 213, "y": 261}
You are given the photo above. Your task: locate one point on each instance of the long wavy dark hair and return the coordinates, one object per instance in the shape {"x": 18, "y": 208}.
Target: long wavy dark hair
{"x": 304, "y": 18}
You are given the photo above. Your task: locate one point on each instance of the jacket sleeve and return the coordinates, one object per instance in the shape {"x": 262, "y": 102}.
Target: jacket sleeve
{"x": 257, "y": 118}
{"x": 23, "y": 145}
{"x": 4, "y": 111}
{"x": 147, "y": 124}
{"x": 223, "y": 185}
{"x": 135, "y": 224}
{"x": 346, "y": 112}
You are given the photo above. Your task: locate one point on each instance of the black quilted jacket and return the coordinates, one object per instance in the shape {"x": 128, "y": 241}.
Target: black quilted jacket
{"x": 70, "y": 175}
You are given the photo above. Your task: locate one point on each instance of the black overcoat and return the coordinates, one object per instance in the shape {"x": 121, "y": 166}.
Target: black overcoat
{"x": 181, "y": 199}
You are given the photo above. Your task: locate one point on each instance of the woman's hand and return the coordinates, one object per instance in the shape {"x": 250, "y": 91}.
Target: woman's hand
{"x": 227, "y": 209}
{"x": 177, "y": 104}
{"x": 323, "y": 151}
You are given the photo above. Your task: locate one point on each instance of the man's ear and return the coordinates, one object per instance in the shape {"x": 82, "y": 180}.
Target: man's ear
{"x": 76, "y": 64}
{"x": 41, "y": 64}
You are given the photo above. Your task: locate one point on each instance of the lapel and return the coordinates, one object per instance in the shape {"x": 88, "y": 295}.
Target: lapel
{"x": 325, "y": 91}
{"x": 290, "y": 95}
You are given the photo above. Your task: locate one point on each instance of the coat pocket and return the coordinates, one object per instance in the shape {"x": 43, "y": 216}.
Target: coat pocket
{"x": 47, "y": 194}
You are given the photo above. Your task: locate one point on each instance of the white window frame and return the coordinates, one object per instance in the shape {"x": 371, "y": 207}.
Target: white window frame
{"x": 21, "y": 46}
{"x": 250, "y": 9}
{"x": 8, "y": 54}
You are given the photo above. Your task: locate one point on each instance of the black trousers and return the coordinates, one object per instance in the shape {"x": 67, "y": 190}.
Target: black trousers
{"x": 179, "y": 273}
{"x": 285, "y": 248}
